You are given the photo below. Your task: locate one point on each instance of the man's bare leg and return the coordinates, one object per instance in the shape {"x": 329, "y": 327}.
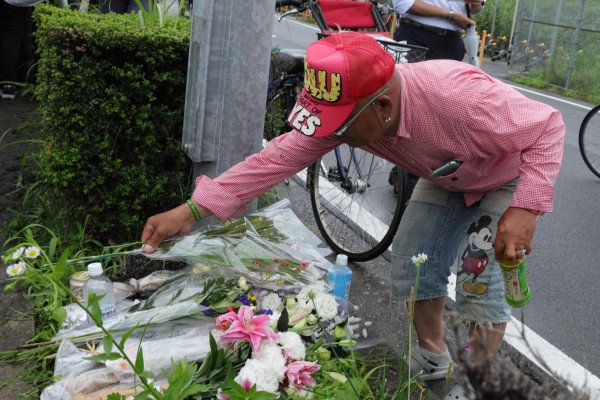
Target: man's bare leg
{"x": 429, "y": 324}
{"x": 486, "y": 340}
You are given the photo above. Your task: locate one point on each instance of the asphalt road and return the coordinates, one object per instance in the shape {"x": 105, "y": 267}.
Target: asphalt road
{"x": 563, "y": 270}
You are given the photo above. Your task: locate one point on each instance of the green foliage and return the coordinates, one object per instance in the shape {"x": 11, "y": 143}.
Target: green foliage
{"x": 111, "y": 96}
{"x": 501, "y": 25}
{"x": 275, "y": 119}
{"x": 44, "y": 275}
{"x": 548, "y": 52}
{"x": 237, "y": 392}
{"x": 552, "y": 74}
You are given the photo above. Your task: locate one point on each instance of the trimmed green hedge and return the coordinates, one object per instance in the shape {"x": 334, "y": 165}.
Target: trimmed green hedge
{"x": 111, "y": 95}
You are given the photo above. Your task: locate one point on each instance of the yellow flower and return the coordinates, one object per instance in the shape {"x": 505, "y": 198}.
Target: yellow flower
{"x": 32, "y": 252}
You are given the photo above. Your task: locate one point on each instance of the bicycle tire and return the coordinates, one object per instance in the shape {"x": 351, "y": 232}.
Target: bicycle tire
{"x": 589, "y": 140}
{"x": 342, "y": 215}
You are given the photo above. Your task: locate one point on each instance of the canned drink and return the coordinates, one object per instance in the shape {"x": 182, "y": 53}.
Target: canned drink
{"x": 77, "y": 282}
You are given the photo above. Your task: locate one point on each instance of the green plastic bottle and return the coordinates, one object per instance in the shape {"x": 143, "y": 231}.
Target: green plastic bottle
{"x": 516, "y": 289}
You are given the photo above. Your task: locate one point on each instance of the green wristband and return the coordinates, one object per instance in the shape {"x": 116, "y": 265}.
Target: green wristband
{"x": 194, "y": 209}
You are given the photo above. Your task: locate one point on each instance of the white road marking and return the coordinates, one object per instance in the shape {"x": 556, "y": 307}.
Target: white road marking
{"x": 547, "y": 96}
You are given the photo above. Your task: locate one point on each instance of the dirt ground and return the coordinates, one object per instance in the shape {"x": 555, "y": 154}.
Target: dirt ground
{"x": 15, "y": 325}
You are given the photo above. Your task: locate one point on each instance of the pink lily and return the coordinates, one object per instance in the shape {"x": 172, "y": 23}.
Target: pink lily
{"x": 299, "y": 374}
{"x": 245, "y": 326}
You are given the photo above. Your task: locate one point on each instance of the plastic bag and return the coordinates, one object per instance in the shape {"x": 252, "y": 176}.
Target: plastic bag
{"x": 272, "y": 249}
{"x": 159, "y": 354}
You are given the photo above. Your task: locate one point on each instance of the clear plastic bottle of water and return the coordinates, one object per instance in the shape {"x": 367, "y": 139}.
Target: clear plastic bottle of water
{"x": 101, "y": 286}
{"x": 340, "y": 277}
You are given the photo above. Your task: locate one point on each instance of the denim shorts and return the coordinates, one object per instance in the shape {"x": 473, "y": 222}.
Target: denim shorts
{"x": 439, "y": 224}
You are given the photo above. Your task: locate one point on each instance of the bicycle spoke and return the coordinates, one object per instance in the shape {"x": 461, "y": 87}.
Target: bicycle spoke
{"x": 351, "y": 208}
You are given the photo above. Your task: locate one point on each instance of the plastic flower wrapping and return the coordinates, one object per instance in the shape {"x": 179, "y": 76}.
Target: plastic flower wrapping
{"x": 252, "y": 309}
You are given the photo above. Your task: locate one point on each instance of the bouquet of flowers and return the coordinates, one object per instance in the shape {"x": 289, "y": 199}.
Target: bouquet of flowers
{"x": 274, "y": 252}
{"x": 278, "y": 341}
{"x": 259, "y": 341}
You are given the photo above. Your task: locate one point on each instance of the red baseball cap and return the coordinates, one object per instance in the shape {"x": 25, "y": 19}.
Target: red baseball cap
{"x": 338, "y": 71}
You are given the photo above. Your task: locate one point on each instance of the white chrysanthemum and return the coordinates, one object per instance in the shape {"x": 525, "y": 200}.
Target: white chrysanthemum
{"x": 18, "y": 253}
{"x": 306, "y": 295}
{"x": 255, "y": 372}
{"x": 32, "y": 252}
{"x": 16, "y": 269}
{"x": 292, "y": 344}
{"x": 271, "y": 356}
{"x": 272, "y": 302}
{"x": 326, "y": 306}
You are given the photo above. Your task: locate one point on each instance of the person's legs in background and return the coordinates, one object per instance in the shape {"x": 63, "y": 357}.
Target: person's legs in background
{"x": 24, "y": 73}
{"x": 122, "y": 6}
{"x": 133, "y": 5}
{"x": 12, "y": 27}
{"x": 116, "y": 6}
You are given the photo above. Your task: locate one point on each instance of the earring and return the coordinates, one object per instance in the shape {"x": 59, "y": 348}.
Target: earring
{"x": 388, "y": 120}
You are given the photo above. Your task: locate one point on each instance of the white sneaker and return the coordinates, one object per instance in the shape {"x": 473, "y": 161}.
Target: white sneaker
{"x": 429, "y": 366}
{"x": 8, "y": 92}
{"x": 460, "y": 392}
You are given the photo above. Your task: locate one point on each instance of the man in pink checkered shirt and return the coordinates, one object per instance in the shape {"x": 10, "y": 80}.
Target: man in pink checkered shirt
{"x": 503, "y": 152}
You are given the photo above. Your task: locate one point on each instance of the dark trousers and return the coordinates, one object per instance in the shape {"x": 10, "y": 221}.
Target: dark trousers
{"x": 121, "y": 6}
{"x": 448, "y": 47}
{"x": 12, "y": 28}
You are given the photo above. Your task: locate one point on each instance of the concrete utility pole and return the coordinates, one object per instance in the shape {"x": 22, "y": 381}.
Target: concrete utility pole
{"x": 226, "y": 92}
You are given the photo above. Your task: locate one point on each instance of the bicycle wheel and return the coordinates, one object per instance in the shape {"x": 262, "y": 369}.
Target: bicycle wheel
{"x": 589, "y": 140}
{"x": 356, "y": 209}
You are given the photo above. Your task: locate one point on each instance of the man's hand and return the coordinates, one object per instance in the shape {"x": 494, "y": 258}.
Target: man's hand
{"x": 177, "y": 221}
{"x": 419, "y": 7}
{"x": 515, "y": 232}
{"x": 475, "y": 6}
{"x": 462, "y": 21}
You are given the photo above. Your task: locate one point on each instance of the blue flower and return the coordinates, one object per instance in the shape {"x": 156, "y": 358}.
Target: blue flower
{"x": 243, "y": 298}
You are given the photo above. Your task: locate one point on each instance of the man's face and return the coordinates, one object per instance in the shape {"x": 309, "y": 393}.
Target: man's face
{"x": 362, "y": 126}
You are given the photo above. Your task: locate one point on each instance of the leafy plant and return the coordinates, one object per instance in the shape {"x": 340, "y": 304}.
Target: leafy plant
{"x": 111, "y": 97}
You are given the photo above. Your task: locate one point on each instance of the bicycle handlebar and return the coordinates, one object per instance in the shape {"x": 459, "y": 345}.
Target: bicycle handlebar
{"x": 298, "y": 4}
